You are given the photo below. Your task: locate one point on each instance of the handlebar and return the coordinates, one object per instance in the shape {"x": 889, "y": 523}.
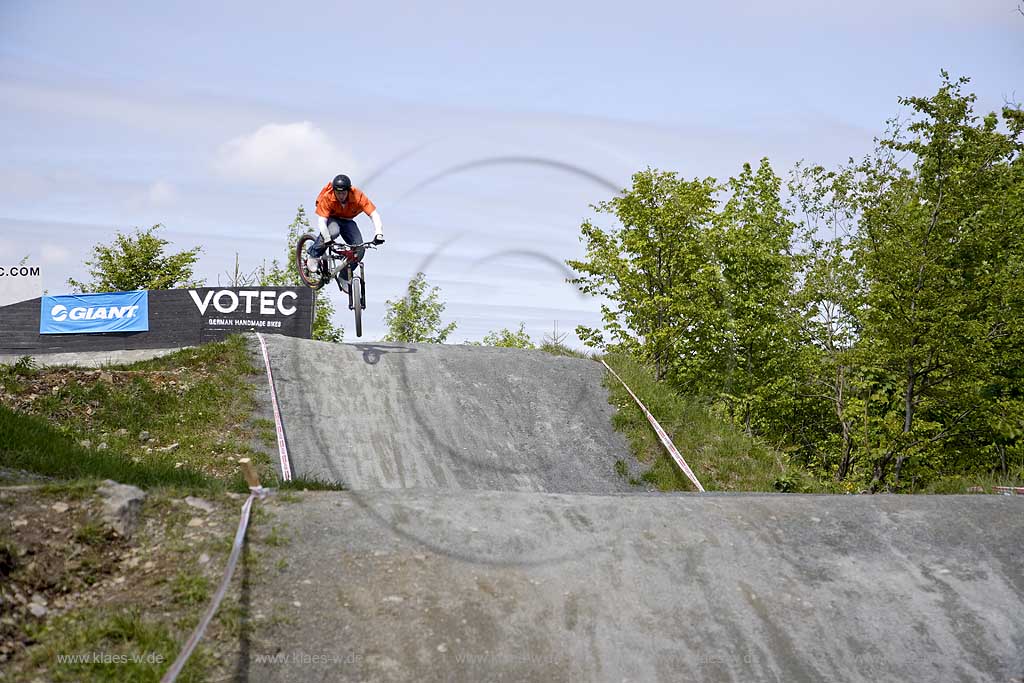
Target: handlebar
{"x": 337, "y": 248}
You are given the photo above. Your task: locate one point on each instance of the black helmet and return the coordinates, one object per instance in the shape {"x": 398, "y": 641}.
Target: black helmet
{"x": 341, "y": 183}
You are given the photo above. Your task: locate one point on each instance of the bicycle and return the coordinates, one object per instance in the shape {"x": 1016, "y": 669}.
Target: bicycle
{"x": 337, "y": 259}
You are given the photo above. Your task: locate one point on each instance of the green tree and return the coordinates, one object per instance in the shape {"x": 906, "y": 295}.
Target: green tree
{"x": 702, "y": 294}
{"x": 890, "y": 352}
{"x": 822, "y": 414}
{"x": 912, "y": 330}
{"x": 275, "y": 275}
{"x": 759, "y": 277}
{"x": 939, "y": 242}
{"x": 137, "y": 261}
{"x": 506, "y": 338}
{"x": 417, "y": 316}
{"x": 657, "y": 268}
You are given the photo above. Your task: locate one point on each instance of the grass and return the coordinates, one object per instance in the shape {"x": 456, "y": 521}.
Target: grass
{"x": 722, "y": 458}
{"x": 194, "y": 404}
{"x": 957, "y": 484}
{"x": 189, "y": 588}
{"x": 13, "y": 374}
{"x": 52, "y": 422}
{"x": 276, "y": 537}
{"x": 310, "y": 483}
{"x": 129, "y": 648}
{"x": 232, "y": 618}
{"x": 267, "y": 431}
{"x": 93, "y": 533}
{"x": 31, "y": 443}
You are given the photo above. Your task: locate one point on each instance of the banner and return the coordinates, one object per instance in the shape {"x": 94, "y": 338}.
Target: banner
{"x": 91, "y": 313}
{"x": 267, "y": 309}
{"x": 165, "y": 319}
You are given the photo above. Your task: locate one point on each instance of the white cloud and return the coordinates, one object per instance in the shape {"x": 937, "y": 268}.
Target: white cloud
{"x": 290, "y": 153}
{"x": 162, "y": 192}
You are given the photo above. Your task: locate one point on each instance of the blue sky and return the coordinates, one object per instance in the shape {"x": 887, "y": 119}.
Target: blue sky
{"x": 219, "y": 119}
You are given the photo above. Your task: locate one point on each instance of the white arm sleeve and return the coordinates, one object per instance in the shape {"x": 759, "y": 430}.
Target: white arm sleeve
{"x": 377, "y": 223}
{"x": 321, "y": 223}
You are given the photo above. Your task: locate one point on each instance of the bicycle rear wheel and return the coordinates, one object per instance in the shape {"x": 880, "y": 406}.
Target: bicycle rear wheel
{"x": 356, "y": 296}
{"x": 310, "y": 279}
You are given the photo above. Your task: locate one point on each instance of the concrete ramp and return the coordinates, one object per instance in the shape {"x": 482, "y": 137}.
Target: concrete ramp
{"x": 386, "y": 416}
{"x": 513, "y": 586}
{"x": 516, "y": 553}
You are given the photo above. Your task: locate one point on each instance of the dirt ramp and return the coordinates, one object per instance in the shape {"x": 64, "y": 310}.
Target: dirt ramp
{"x": 388, "y": 416}
{"x": 520, "y": 586}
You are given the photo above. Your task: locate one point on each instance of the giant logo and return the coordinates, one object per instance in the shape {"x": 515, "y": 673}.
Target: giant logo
{"x": 60, "y": 312}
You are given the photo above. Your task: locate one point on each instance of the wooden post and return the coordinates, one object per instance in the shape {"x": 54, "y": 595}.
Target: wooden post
{"x": 250, "y": 473}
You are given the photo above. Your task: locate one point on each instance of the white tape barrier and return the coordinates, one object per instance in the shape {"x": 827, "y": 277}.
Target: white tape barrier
{"x": 666, "y": 442}
{"x": 282, "y": 446}
{"x": 236, "y": 551}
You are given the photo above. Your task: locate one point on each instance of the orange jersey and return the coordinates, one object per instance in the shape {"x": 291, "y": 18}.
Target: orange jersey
{"x": 328, "y": 206}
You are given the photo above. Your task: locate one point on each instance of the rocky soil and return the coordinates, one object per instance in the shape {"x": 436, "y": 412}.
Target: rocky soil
{"x": 70, "y": 558}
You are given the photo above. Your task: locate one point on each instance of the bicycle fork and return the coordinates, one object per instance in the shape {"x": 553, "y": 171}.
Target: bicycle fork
{"x": 362, "y": 288}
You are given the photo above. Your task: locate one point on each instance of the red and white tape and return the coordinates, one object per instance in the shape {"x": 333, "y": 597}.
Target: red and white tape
{"x": 1009, "y": 490}
{"x": 282, "y": 446}
{"x": 666, "y": 442}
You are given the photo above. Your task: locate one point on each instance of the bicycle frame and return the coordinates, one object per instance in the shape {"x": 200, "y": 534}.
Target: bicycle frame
{"x": 346, "y": 254}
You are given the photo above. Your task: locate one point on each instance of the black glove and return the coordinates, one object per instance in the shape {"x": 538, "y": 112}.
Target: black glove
{"x": 378, "y": 239}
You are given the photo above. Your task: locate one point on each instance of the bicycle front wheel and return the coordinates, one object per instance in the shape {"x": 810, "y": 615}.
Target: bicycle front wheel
{"x": 356, "y": 294}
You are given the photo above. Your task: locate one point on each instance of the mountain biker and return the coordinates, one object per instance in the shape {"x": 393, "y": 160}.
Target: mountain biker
{"x": 337, "y": 204}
